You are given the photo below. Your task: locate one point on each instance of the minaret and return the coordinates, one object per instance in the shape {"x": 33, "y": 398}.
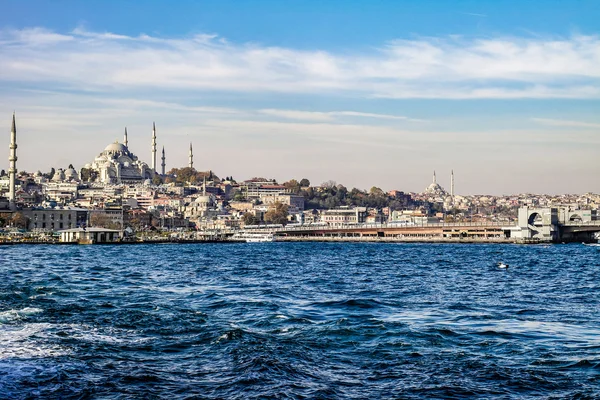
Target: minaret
{"x": 154, "y": 147}
{"x": 434, "y": 177}
{"x": 163, "y": 165}
{"x": 12, "y": 171}
{"x": 452, "y": 184}
{"x": 125, "y": 141}
{"x": 191, "y": 163}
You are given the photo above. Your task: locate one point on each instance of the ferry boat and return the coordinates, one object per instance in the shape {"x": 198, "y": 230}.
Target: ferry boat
{"x": 252, "y": 237}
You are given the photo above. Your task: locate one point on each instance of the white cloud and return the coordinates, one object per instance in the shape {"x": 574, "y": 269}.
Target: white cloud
{"x": 448, "y": 67}
{"x": 329, "y": 116}
{"x": 562, "y": 122}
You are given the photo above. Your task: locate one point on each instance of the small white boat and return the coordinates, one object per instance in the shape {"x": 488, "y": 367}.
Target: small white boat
{"x": 502, "y": 265}
{"x": 253, "y": 237}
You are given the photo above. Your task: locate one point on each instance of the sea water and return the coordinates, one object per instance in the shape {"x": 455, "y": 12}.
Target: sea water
{"x": 299, "y": 320}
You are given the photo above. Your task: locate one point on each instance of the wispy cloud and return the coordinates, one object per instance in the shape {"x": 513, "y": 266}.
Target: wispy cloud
{"x": 443, "y": 67}
{"x": 331, "y": 115}
{"x": 567, "y": 123}
{"x": 473, "y": 14}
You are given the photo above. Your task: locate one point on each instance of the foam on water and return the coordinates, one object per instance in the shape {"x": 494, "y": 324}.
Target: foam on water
{"x": 10, "y": 316}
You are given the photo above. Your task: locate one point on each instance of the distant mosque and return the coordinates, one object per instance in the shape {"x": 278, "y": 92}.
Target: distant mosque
{"x": 435, "y": 189}
{"x": 116, "y": 164}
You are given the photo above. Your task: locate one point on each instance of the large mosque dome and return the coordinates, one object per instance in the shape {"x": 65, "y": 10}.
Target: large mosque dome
{"x": 116, "y": 164}
{"x": 116, "y": 147}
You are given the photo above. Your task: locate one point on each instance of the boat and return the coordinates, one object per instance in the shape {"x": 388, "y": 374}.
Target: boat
{"x": 253, "y": 237}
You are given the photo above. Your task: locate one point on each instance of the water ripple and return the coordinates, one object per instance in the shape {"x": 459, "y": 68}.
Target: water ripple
{"x": 300, "y": 320}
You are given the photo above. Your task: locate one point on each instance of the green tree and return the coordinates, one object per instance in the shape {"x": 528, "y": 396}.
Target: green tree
{"x": 304, "y": 182}
{"x": 277, "y": 214}
{"x": 157, "y": 180}
{"x": 50, "y": 174}
{"x": 239, "y": 196}
{"x": 249, "y": 219}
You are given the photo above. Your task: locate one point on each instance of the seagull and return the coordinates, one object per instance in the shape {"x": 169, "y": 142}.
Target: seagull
{"x": 502, "y": 265}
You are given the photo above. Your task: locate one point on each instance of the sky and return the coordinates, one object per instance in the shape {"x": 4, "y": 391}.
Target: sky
{"x": 364, "y": 93}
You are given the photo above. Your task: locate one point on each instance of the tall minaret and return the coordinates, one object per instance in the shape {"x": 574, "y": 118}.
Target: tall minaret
{"x": 125, "y": 141}
{"x": 434, "y": 177}
{"x": 452, "y": 184}
{"x": 164, "y": 164}
{"x": 191, "y": 163}
{"x": 154, "y": 147}
{"x": 12, "y": 171}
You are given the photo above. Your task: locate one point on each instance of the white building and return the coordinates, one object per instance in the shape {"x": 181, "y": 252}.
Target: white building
{"x": 116, "y": 164}
{"x": 89, "y": 235}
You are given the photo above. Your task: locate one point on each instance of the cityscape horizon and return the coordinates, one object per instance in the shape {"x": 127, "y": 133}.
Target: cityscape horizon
{"x": 279, "y": 179}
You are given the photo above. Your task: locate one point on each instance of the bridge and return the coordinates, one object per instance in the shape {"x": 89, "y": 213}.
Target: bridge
{"x": 534, "y": 225}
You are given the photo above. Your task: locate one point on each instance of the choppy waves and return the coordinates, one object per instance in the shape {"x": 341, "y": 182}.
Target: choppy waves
{"x": 300, "y": 321}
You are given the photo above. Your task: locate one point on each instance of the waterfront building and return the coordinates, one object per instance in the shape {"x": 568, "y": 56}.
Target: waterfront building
{"x": 56, "y": 218}
{"x": 344, "y": 215}
{"x": 90, "y": 235}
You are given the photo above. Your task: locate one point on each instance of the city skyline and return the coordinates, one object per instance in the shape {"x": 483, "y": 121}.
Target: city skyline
{"x": 509, "y": 106}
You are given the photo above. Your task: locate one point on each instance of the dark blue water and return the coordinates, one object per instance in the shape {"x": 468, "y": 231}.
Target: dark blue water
{"x": 299, "y": 320}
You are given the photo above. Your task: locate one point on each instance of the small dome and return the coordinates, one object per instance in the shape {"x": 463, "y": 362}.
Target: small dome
{"x": 71, "y": 173}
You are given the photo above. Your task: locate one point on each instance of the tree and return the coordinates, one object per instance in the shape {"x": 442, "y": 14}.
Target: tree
{"x": 375, "y": 191}
{"x": 239, "y": 196}
{"x": 103, "y": 220}
{"x": 304, "y": 182}
{"x": 249, "y": 219}
{"x": 50, "y": 174}
{"x": 277, "y": 214}
{"x": 88, "y": 175}
{"x": 157, "y": 180}
{"x": 329, "y": 184}
{"x": 19, "y": 220}
{"x": 292, "y": 186}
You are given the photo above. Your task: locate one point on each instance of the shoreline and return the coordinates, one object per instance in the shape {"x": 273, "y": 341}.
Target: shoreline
{"x": 299, "y": 240}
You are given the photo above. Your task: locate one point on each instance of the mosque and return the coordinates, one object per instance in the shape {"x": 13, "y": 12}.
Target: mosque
{"x": 434, "y": 189}
{"x": 116, "y": 164}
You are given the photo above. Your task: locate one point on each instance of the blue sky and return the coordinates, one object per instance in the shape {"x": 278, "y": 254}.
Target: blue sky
{"x": 361, "y": 92}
